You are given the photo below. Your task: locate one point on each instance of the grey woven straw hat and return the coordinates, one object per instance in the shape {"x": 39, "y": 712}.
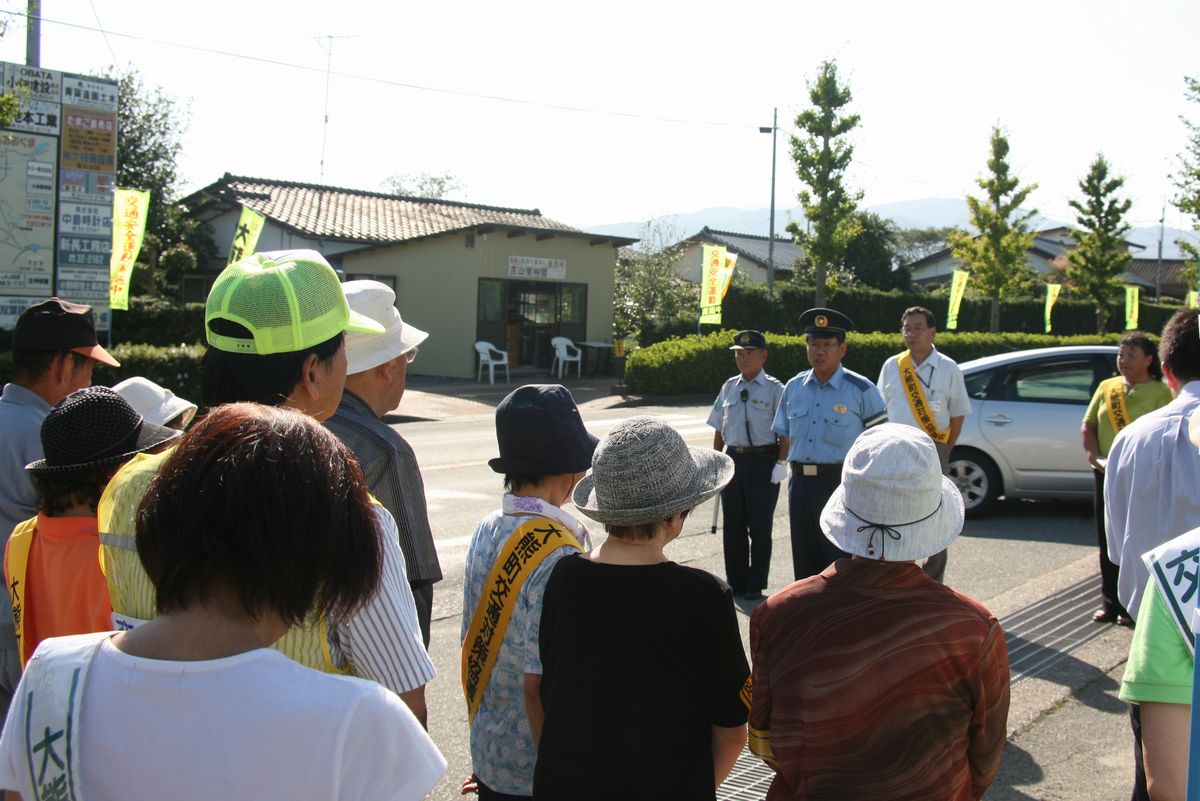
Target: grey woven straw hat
{"x": 643, "y": 471}
{"x": 894, "y": 504}
{"x": 94, "y": 427}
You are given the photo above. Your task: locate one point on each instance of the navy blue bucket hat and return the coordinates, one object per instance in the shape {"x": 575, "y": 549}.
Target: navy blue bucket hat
{"x": 540, "y": 432}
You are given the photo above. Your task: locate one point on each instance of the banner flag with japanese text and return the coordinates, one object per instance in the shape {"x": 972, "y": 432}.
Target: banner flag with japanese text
{"x": 1192, "y": 300}
{"x": 1131, "y": 308}
{"x": 245, "y": 236}
{"x": 957, "y": 287}
{"x": 730, "y": 265}
{"x": 128, "y": 227}
{"x": 1052, "y": 291}
{"x": 712, "y": 283}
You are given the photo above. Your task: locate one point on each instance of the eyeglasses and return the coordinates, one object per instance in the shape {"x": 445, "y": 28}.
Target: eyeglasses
{"x": 411, "y": 355}
{"x": 913, "y": 330}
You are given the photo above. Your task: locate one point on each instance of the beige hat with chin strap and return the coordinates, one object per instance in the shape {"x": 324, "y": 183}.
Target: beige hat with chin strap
{"x": 893, "y": 504}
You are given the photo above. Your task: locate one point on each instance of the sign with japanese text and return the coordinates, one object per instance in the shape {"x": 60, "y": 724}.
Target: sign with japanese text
{"x": 1052, "y": 291}
{"x": 958, "y": 286}
{"x": 532, "y": 267}
{"x": 717, "y": 268}
{"x": 1131, "y": 307}
{"x": 245, "y": 236}
{"x": 129, "y": 224}
{"x": 60, "y": 159}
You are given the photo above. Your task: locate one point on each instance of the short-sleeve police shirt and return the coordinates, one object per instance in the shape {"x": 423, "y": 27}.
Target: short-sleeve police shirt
{"x": 822, "y": 421}
{"x": 730, "y": 414}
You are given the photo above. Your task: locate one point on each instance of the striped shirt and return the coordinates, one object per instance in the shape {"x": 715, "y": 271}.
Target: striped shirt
{"x": 392, "y": 473}
{"x": 873, "y": 681}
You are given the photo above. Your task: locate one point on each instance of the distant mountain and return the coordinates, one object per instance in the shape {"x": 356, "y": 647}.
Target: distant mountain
{"x": 922, "y": 213}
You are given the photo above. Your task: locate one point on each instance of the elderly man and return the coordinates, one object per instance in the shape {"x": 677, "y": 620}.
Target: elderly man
{"x": 265, "y": 348}
{"x": 822, "y": 410}
{"x": 54, "y": 351}
{"x": 376, "y": 369}
{"x": 872, "y": 680}
{"x": 742, "y": 415}
{"x": 924, "y": 388}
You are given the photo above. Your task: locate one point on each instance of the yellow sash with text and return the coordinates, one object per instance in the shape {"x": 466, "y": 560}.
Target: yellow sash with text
{"x": 526, "y": 548}
{"x": 18, "y": 563}
{"x": 1114, "y": 396}
{"x": 917, "y": 402}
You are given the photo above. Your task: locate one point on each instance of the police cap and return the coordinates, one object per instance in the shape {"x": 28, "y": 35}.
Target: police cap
{"x": 826, "y": 323}
{"x": 748, "y": 340}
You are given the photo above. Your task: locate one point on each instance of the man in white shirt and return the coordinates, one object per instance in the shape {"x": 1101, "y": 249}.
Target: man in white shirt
{"x": 925, "y": 389}
{"x": 1151, "y": 480}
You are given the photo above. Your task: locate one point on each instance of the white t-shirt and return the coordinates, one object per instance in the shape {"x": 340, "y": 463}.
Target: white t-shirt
{"x": 252, "y": 726}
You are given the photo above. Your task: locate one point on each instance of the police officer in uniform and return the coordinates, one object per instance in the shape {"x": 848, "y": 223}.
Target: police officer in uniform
{"x": 742, "y": 415}
{"x": 822, "y": 411}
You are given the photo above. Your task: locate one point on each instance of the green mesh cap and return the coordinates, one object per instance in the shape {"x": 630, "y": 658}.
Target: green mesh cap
{"x": 289, "y": 300}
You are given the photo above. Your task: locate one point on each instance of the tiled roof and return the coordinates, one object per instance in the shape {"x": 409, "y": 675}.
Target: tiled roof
{"x": 1146, "y": 270}
{"x": 367, "y": 217}
{"x": 753, "y": 247}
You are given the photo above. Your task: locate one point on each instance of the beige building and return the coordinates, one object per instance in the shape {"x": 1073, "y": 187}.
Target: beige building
{"x": 462, "y": 271}
{"x": 754, "y": 255}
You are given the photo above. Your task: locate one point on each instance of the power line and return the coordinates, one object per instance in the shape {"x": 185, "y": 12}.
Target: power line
{"x": 398, "y": 84}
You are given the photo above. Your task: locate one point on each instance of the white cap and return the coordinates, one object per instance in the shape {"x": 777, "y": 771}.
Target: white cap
{"x": 378, "y": 302}
{"x": 157, "y": 404}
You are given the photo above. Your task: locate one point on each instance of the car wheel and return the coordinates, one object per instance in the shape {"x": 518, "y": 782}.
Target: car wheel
{"x": 978, "y": 480}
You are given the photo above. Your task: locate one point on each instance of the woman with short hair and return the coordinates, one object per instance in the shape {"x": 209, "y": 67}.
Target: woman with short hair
{"x": 259, "y": 516}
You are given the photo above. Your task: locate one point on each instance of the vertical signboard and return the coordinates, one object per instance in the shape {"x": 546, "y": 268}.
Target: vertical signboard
{"x": 58, "y": 166}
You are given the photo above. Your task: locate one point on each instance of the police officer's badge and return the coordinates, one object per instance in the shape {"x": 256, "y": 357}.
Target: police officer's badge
{"x": 821, "y": 321}
{"x": 839, "y": 408}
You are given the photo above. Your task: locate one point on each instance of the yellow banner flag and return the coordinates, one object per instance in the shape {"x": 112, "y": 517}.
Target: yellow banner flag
{"x": 128, "y": 227}
{"x": 1052, "y": 291}
{"x": 1192, "y": 300}
{"x": 1131, "y": 308}
{"x": 730, "y": 265}
{"x": 712, "y": 283}
{"x": 957, "y": 287}
{"x": 245, "y": 236}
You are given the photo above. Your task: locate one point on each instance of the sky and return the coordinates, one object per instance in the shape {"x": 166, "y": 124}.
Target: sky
{"x": 623, "y": 111}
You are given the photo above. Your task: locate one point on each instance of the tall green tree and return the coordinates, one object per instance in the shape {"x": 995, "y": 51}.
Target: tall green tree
{"x": 822, "y": 153}
{"x": 996, "y": 256}
{"x": 150, "y": 124}
{"x": 1100, "y": 253}
{"x": 872, "y": 254}
{"x": 1187, "y": 181}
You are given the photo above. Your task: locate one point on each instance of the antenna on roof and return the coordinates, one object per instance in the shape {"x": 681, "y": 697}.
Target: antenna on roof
{"x": 328, "y": 72}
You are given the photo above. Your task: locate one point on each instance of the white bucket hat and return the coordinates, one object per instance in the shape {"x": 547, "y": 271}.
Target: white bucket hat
{"x": 157, "y": 404}
{"x": 377, "y": 301}
{"x": 894, "y": 504}
{"x": 643, "y": 472}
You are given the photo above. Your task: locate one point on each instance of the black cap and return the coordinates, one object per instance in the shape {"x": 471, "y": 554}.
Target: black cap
{"x": 60, "y": 325}
{"x": 825, "y": 323}
{"x": 749, "y": 340}
{"x": 540, "y": 432}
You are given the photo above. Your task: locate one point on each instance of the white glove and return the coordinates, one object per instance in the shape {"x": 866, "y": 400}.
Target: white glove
{"x": 779, "y": 473}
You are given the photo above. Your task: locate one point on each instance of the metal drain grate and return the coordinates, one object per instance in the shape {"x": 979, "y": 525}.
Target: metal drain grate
{"x": 1038, "y": 636}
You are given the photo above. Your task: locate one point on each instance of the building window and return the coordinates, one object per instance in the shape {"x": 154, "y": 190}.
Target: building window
{"x": 491, "y": 301}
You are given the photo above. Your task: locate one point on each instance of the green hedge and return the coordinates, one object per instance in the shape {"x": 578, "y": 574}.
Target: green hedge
{"x": 176, "y": 367}
{"x": 747, "y": 306}
{"x": 149, "y": 321}
{"x": 695, "y": 365}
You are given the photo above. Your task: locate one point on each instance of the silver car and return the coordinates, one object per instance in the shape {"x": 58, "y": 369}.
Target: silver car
{"x": 1021, "y": 439}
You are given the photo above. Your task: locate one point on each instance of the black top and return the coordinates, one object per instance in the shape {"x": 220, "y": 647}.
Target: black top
{"x": 639, "y": 662}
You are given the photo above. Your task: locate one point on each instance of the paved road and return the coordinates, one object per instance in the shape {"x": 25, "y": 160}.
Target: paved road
{"x": 1068, "y": 735}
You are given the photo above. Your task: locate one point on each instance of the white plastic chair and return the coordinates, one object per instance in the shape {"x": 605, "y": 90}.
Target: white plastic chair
{"x": 566, "y": 351}
{"x": 489, "y": 357}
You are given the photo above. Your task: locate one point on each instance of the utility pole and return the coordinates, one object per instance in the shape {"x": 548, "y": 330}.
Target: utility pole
{"x": 771, "y": 240}
{"x": 1158, "y": 268}
{"x": 33, "y": 34}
